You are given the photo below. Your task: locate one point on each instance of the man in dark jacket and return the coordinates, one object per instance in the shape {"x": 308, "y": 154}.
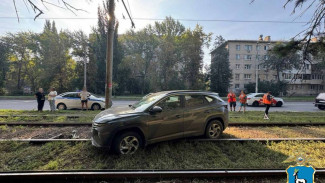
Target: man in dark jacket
{"x": 40, "y": 96}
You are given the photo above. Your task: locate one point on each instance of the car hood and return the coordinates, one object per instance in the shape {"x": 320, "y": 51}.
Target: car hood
{"x": 114, "y": 113}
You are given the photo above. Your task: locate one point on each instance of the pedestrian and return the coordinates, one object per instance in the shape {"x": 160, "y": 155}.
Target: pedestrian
{"x": 267, "y": 100}
{"x": 40, "y": 96}
{"x": 232, "y": 100}
{"x": 84, "y": 98}
{"x": 242, "y": 100}
{"x": 51, "y": 99}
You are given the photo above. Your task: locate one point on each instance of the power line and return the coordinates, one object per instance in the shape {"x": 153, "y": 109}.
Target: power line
{"x": 129, "y": 7}
{"x": 161, "y": 19}
{"x": 132, "y": 23}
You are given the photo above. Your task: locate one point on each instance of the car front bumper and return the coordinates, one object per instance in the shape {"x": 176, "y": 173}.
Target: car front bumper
{"x": 101, "y": 135}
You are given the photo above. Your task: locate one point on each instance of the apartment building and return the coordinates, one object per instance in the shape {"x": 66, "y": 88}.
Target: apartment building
{"x": 246, "y": 58}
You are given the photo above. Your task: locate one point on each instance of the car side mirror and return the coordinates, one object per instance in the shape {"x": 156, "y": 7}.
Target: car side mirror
{"x": 156, "y": 109}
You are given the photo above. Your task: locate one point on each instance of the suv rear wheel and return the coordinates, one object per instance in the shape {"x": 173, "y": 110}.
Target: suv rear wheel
{"x": 214, "y": 129}
{"x": 321, "y": 107}
{"x": 127, "y": 143}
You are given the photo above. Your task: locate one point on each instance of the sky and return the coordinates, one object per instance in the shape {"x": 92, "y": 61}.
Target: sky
{"x": 198, "y": 10}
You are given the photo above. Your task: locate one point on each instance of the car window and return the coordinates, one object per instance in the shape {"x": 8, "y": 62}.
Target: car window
{"x": 210, "y": 100}
{"x": 170, "y": 103}
{"x": 194, "y": 100}
{"x": 72, "y": 95}
{"x": 144, "y": 103}
{"x": 259, "y": 95}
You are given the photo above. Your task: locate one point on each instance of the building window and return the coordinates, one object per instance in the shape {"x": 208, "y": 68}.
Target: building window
{"x": 237, "y": 47}
{"x": 258, "y": 67}
{"x": 275, "y": 77}
{"x": 258, "y": 47}
{"x": 248, "y": 47}
{"x": 237, "y": 56}
{"x": 307, "y": 66}
{"x": 237, "y": 76}
{"x": 248, "y": 66}
{"x": 248, "y": 57}
{"x": 236, "y": 86}
{"x": 321, "y": 87}
{"x": 312, "y": 87}
{"x": 247, "y": 76}
{"x": 258, "y": 57}
{"x": 266, "y": 57}
{"x": 237, "y": 66}
{"x": 287, "y": 75}
{"x": 266, "y": 47}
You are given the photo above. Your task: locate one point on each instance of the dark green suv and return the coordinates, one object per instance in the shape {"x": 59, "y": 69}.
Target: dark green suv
{"x": 159, "y": 117}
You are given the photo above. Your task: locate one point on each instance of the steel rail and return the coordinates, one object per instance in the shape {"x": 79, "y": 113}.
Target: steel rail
{"x": 230, "y": 124}
{"x": 96, "y": 174}
{"x": 45, "y": 116}
{"x": 189, "y": 139}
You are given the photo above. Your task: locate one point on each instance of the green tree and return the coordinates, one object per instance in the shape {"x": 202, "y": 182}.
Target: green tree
{"x": 192, "y": 43}
{"x": 283, "y": 56}
{"x": 4, "y": 64}
{"x": 220, "y": 71}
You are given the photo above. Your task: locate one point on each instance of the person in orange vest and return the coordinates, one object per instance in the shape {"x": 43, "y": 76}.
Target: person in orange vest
{"x": 232, "y": 100}
{"x": 242, "y": 100}
{"x": 267, "y": 100}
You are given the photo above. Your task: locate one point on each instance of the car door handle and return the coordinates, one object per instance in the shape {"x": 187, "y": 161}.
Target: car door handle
{"x": 178, "y": 116}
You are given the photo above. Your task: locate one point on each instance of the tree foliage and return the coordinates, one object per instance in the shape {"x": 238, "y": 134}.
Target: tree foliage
{"x": 220, "y": 70}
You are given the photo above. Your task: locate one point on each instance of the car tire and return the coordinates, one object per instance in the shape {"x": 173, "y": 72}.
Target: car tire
{"x": 255, "y": 104}
{"x": 321, "y": 107}
{"x": 279, "y": 104}
{"x": 95, "y": 107}
{"x": 127, "y": 143}
{"x": 214, "y": 129}
{"x": 61, "y": 106}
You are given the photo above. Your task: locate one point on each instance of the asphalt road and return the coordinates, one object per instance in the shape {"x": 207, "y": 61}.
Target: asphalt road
{"x": 32, "y": 105}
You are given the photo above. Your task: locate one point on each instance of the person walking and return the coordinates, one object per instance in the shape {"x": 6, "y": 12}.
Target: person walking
{"x": 242, "y": 100}
{"x": 40, "y": 96}
{"x": 84, "y": 94}
{"x": 267, "y": 100}
{"x": 51, "y": 99}
{"x": 232, "y": 100}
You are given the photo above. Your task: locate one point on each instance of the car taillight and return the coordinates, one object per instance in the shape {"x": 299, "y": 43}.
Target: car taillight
{"x": 248, "y": 98}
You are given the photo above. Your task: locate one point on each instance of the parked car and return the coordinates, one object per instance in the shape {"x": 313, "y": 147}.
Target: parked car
{"x": 256, "y": 99}
{"x": 320, "y": 101}
{"x": 71, "y": 100}
{"x": 159, "y": 117}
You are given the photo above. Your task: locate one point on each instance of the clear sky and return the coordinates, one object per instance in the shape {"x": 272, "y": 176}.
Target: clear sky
{"x": 269, "y": 10}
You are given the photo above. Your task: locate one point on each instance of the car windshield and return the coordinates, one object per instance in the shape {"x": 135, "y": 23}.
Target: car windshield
{"x": 144, "y": 103}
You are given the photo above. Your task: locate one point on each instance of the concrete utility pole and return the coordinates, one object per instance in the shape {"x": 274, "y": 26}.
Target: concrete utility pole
{"x": 85, "y": 72}
{"x": 109, "y": 54}
{"x": 256, "y": 67}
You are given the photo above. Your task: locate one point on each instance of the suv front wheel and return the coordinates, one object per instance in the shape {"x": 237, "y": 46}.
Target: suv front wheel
{"x": 127, "y": 143}
{"x": 214, "y": 129}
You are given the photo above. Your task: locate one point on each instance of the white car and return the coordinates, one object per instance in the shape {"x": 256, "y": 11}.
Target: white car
{"x": 256, "y": 99}
{"x": 71, "y": 100}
